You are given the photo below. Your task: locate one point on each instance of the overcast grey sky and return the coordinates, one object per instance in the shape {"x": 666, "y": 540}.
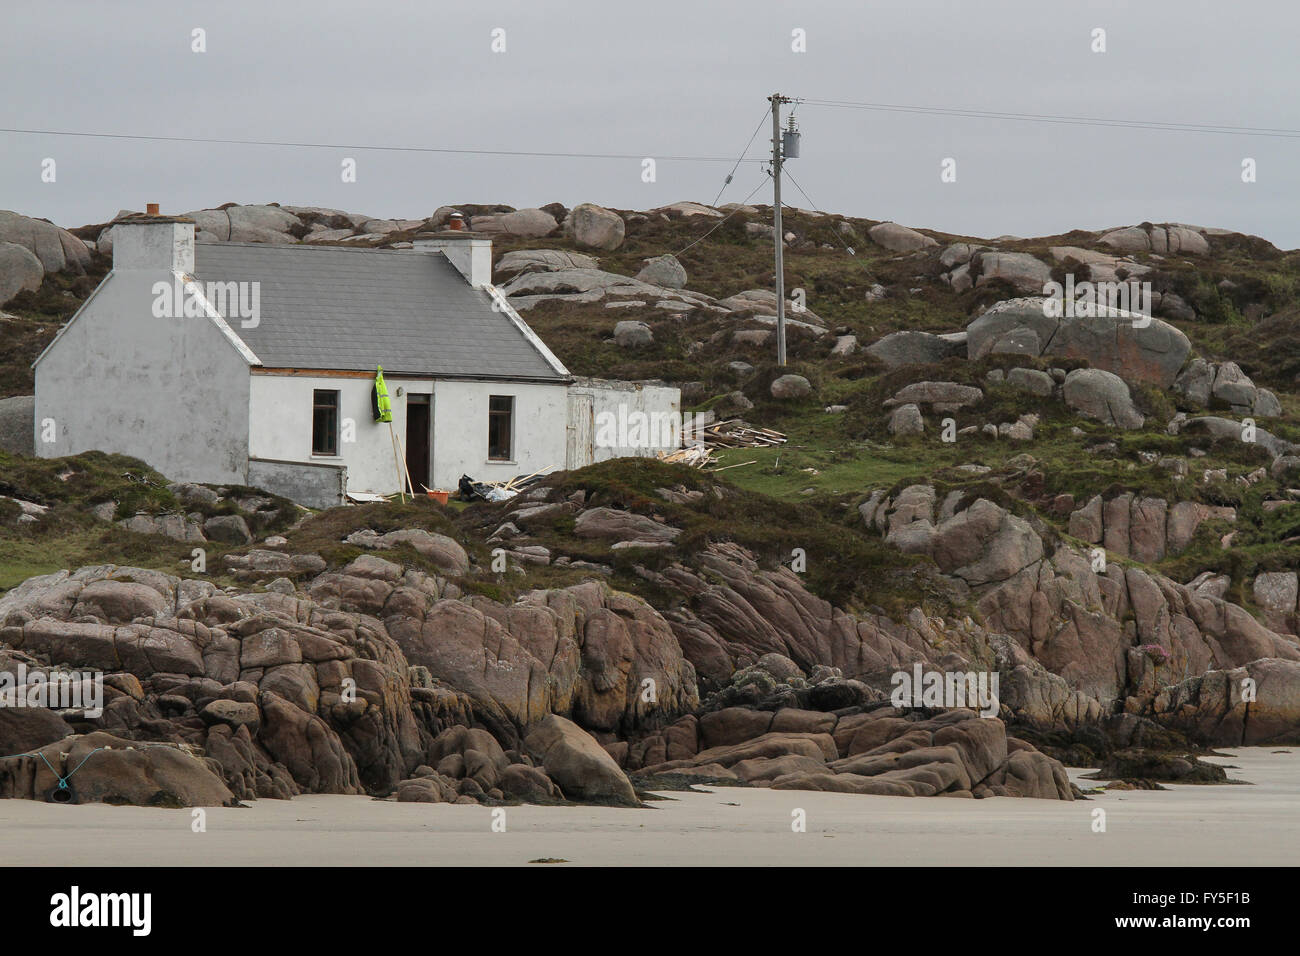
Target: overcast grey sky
{"x": 657, "y": 79}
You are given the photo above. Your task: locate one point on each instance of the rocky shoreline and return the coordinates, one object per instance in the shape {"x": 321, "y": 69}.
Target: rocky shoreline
{"x": 375, "y": 677}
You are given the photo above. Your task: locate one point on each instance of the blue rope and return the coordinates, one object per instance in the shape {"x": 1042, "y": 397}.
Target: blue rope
{"x": 63, "y": 780}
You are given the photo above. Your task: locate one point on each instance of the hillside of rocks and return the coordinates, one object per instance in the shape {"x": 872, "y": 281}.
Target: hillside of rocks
{"x": 1105, "y": 512}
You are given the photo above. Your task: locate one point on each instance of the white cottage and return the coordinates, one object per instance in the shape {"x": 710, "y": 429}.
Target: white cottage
{"x": 254, "y": 364}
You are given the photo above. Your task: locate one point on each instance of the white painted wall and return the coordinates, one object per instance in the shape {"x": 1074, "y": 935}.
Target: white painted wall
{"x": 281, "y": 419}
{"x": 280, "y": 427}
{"x": 170, "y": 391}
{"x": 616, "y": 402}
{"x": 460, "y": 430}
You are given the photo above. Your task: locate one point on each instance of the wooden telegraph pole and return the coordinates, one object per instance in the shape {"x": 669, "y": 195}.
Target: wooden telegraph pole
{"x": 776, "y": 99}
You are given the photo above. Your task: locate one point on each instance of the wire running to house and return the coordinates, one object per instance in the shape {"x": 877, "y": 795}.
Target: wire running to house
{"x": 462, "y": 150}
{"x": 1063, "y": 120}
{"x": 718, "y": 225}
{"x": 762, "y": 120}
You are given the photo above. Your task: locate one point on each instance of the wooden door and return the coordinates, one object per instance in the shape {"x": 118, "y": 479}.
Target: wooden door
{"x": 580, "y": 433}
{"x": 419, "y": 425}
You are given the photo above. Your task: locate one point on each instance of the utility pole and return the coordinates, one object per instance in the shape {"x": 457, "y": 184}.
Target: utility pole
{"x": 778, "y": 236}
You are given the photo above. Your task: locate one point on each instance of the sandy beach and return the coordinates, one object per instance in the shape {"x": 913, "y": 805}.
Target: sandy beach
{"x": 1183, "y": 825}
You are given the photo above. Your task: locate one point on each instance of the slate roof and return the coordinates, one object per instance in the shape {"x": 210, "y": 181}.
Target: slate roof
{"x": 328, "y": 307}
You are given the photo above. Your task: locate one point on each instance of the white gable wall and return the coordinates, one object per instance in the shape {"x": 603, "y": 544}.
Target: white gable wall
{"x": 170, "y": 391}
{"x": 280, "y": 427}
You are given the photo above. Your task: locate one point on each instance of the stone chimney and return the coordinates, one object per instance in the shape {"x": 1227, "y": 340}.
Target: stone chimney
{"x": 153, "y": 242}
{"x": 469, "y": 252}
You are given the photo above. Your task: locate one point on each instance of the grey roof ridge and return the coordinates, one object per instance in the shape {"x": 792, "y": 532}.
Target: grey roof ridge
{"x": 316, "y": 246}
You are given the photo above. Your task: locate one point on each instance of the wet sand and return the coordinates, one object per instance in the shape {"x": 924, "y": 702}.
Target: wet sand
{"x": 1257, "y": 825}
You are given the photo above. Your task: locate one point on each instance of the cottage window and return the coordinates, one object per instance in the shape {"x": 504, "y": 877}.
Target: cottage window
{"x": 501, "y": 411}
{"x": 325, "y": 422}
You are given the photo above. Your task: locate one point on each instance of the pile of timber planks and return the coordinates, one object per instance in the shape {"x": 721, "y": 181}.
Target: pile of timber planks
{"x": 732, "y": 433}
{"x": 695, "y": 456}
{"x": 703, "y": 440}
{"x": 519, "y": 482}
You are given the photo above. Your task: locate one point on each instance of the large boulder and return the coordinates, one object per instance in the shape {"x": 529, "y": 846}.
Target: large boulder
{"x": 610, "y": 523}
{"x": 916, "y": 348}
{"x": 1022, "y": 270}
{"x": 906, "y": 420}
{"x": 56, "y": 249}
{"x": 1216, "y": 709}
{"x": 208, "y": 223}
{"x": 524, "y": 223}
{"x": 664, "y": 271}
{"x": 1234, "y": 386}
{"x": 24, "y": 729}
{"x": 1267, "y": 404}
{"x": 596, "y": 227}
{"x": 465, "y": 752}
{"x": 446, "y": 553}
{"x": 178, "y": 527}
{"x": 1277, "y": 594}
{"x": 985, "y": 544}
{"x": 1136, "y": 348}
{"x": 119, "y": 602}
{"x": 307, "y": 746}
{"x": 529, "y": 288}
{"x": 1277, "y": 590}
{"x": 688, "y": 209}
{"x": 20, "y": 271}
{"x": 17, "y": 423}
{"x": 578, "y": 764}
{"x": 631, "y": 334}
{"x": 959, "y": 253}
{"x": 790, "y": 386}
{"x": 898, "y": 238}
{"x": 541, "y": 260}
{"x": 941, "y": 396}
{"x": 108, "y": 769}
{"x": 1032, "y": 381}
{"x": 1165, "y": 240}
{"x": 1095, "y": 393}
{"x": 1010, "y": 326}
{"x": 1196, "y": 381}
{"x": 383, "y": 227}
{"x": 232, "y": 529}
{"x": 261, "y": 224}
{"x": 955, "y": 752}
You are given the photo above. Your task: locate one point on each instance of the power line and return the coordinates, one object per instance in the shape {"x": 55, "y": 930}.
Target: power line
{"x": 719, "y": 223}
{"x": 727, "y": 182}
{"x": 816, "y": 208}
{"x": 1055, "y": 119}
{"x": 364, "y": 146}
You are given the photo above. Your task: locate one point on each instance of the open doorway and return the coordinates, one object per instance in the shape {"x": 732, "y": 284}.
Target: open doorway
{"x": 419, "y": 422}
